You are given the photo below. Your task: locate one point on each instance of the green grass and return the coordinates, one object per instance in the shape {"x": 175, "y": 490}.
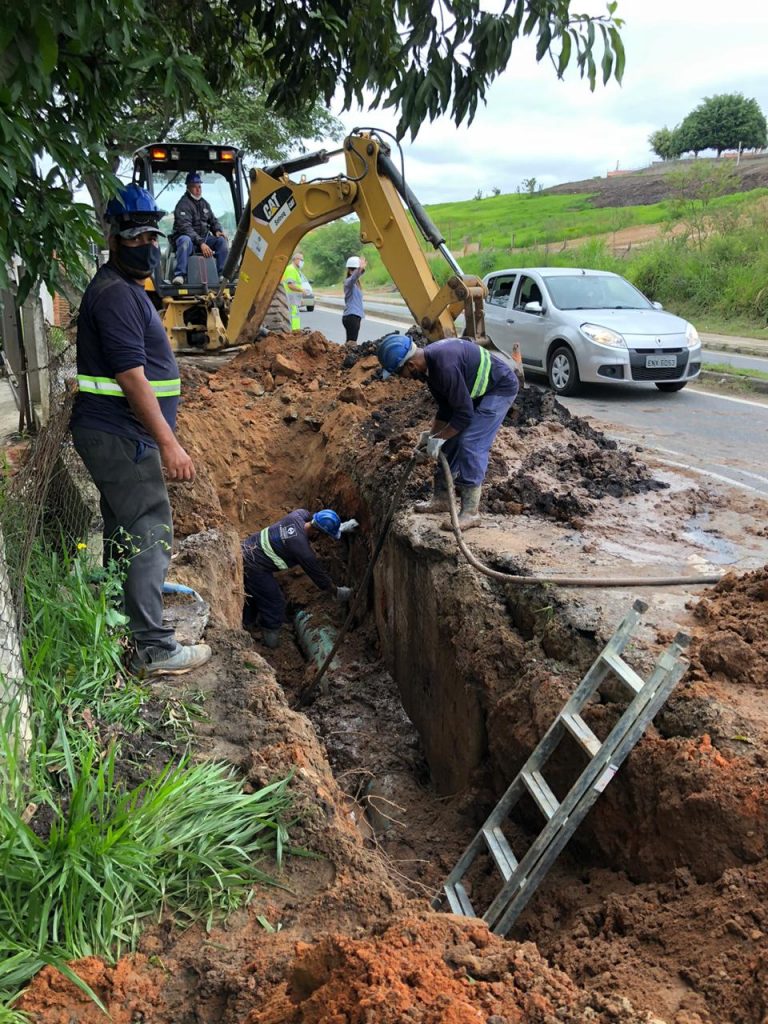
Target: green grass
{"x": 735, "y": 371}
{"x": 187, "y": 841}
{"x": 85, "y": 857}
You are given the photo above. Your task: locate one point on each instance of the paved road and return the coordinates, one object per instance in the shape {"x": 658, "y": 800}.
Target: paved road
{"x": 719, "y": 437}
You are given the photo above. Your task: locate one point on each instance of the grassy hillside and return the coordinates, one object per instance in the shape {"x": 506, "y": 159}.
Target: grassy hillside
{"x": 714, "y": 266}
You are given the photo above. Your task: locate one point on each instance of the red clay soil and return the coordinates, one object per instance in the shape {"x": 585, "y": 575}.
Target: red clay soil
{"x": 663, "y": 897}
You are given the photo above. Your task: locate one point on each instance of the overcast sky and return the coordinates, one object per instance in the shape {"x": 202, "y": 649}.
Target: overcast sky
{"x": 678, "y": 52}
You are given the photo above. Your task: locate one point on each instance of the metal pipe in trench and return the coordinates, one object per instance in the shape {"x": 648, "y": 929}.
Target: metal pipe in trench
{"x": 316, "y": 642}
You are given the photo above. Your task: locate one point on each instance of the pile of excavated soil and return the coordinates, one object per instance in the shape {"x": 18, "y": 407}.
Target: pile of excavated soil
{"x": 298, "y": 409}
{"x": 734, "y": 646}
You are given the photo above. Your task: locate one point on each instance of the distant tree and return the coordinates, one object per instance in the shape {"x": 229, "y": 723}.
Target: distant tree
{"x": 328, "y": 249}
{"x": 496, "y": 191}
{"x": 478, "y": 194}
{"x": 725, "y": 121}
{"x": 690, "y": 135}
{"x": 730, "y": 120}
{"x": 528, "y": 185}
{"x": 665, "y": 143}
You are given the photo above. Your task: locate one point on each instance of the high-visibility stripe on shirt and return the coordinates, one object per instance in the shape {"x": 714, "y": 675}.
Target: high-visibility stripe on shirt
{"x": 483, "y": 377}
{"x": 268, "y": 550}
{"x": 109, "y": 386}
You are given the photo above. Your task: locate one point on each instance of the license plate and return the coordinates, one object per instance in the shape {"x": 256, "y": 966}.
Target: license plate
{"x": 660, "y": 362}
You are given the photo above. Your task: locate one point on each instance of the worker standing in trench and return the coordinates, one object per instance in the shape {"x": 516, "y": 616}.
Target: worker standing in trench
{"x": 474, "y": 391}
{"x": 280, "y": 546}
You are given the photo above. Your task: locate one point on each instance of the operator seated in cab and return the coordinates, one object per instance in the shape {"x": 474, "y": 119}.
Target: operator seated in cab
{"x": 280, "y": 546}
{"x": 196, "y": 229}
{"x": 474, "y": 391}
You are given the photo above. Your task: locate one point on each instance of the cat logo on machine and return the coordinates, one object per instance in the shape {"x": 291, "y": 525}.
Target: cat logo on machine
{"x": 276, "y": 208}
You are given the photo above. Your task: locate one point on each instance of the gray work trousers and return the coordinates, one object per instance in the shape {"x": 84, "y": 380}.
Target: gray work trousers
{"x": 137, "y": 525}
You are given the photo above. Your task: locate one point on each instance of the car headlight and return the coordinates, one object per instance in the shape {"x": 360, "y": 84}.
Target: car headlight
{"x": 692, "y": 336}
{"x": 604, "y": 336}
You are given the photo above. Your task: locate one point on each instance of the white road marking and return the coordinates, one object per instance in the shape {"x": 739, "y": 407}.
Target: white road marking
{"x": 714, "y": 476}
{"x": 681, "y": 455}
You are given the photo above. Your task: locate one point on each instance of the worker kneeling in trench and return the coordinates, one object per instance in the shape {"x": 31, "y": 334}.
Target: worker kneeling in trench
{"x": 474, "y": 391}
{"x": 280, "y": 546}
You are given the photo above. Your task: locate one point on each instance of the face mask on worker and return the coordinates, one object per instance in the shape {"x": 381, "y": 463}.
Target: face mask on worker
{"x": 138, "y": 260}
{"x": 299, "y": 264}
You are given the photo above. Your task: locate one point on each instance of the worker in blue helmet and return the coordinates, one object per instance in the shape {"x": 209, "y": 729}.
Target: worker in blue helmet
{"x": 283, "y": 545}
{"x": 474, "y": 390}
{"x": 196, "y": 229}
{"x": 123, "y": 426}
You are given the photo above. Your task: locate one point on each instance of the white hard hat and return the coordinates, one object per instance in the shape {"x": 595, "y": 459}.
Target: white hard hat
{"x": 353, "y": 263}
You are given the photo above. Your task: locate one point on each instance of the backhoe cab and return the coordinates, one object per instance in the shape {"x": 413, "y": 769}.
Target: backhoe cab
{"x": 279, "y": 212}
{"x": 195, "y": 314}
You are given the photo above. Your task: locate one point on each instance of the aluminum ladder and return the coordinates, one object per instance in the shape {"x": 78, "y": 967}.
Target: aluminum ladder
{"x": 521, "y": 879}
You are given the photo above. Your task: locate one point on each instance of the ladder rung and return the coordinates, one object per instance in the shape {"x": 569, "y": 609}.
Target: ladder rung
{"x": 458, "y": 900}
{"x": 501, "y": 851}
{"x": 624, "y": 671}
{"x": 583, "y": 735}
{"x": 545, "y": 799}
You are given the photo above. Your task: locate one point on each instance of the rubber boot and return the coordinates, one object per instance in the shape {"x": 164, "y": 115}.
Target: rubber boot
{"x": 469, "y": 516}
{"x": 439, "y": 500}
{"x": 271, "y": 637}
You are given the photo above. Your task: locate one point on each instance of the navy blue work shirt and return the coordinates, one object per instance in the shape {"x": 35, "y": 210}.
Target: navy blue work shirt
{"x": 118, "y": 329}
{"x": 452, "y": 367}
{"x": 289, "y": 541}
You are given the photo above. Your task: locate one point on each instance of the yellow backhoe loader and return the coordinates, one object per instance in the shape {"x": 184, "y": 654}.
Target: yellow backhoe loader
{"x": 279, "y": 212}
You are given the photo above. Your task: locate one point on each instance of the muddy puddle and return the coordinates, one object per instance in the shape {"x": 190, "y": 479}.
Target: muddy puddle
{"x": 658, "y": 909}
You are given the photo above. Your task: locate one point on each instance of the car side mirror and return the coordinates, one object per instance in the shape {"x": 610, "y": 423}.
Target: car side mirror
{"x": 657, "y": 305}
{"x": 533, "y": 307}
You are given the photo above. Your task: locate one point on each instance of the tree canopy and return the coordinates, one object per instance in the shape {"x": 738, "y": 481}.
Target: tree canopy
{"x": 71, "y": 71}
{"x": 725, "y": 121}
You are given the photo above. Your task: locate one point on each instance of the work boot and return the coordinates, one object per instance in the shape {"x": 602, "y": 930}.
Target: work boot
{"x": 162, "y": 661}
{"x": 178, "y": 280}
{"x": 469, "y": 516}
{"x": 271, "y": 637}
{"x": 437, "y": 503}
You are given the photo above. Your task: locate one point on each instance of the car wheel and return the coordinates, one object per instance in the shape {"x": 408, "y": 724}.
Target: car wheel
{"x": 677, "y": 385}
{"x": 563, "y": 371}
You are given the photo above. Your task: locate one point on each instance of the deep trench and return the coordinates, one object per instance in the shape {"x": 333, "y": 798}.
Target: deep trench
{"x": 443, "y": 689}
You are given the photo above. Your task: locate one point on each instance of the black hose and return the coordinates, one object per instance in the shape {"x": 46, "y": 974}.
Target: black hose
{"x": 560, "y": 581}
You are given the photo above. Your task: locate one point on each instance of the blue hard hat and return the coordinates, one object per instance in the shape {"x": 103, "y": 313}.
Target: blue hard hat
{"x": 392, "y": 352}
{"x": 194, "y": 178}
{"x": 133, "y": 211}
{"x": 327, "y": 521}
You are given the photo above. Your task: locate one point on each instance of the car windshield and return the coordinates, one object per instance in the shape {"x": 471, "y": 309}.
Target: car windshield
{"x": 169, "y": 187}
{"x": 594, "y": 291}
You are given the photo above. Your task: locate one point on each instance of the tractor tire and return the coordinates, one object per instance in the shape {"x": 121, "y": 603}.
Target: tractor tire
{"x": 278, "y": 315}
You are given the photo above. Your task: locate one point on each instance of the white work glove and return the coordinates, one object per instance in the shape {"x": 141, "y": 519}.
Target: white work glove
{"x": 424, "y": 436}
{"x": 434, "y": 444}
{"x": 343, "y": 594}
{"x": 348, "y": 526}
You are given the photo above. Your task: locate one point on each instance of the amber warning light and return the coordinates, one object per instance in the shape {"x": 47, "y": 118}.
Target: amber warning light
{"x": 227, "y": 154}
{"x": 158, "y": 154}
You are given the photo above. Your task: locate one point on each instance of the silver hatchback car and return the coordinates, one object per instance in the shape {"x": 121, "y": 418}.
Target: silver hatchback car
{"x": 588, "y": 325}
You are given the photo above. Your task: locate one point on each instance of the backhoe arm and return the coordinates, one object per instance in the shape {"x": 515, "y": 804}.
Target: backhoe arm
{"x": 281, "y": 211}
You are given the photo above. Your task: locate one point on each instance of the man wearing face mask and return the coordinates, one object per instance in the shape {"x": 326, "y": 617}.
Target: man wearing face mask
{"x": 123, "y": 426}
{"x": 295, "y": 287}
{"x": 474, "y": 391}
